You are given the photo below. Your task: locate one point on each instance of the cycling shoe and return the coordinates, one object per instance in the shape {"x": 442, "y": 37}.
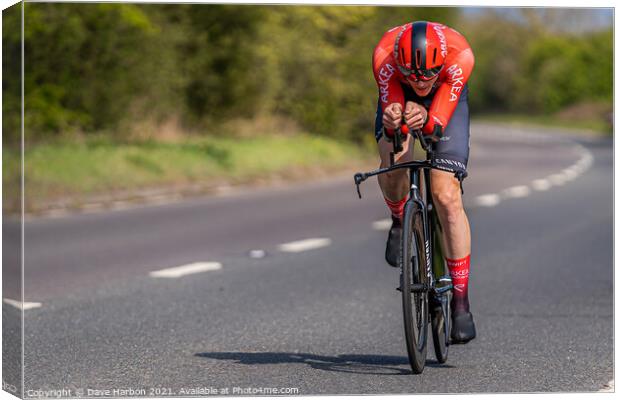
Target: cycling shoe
{"x": 463, "y": 328}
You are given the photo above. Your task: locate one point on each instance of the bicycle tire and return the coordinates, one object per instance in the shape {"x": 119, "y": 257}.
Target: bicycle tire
{"x": 414, "y": 271}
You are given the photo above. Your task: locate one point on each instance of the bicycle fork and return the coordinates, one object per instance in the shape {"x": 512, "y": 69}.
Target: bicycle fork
{"x": 415, "y": 196}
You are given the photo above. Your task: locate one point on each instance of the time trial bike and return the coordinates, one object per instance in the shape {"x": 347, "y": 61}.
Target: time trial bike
{"x": 425, "y": 283}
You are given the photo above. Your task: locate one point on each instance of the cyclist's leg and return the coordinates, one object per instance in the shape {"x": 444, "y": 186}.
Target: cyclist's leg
{"x": 449, "y": 203}
{"x": 452, "y": 154}
{"x": 394, "y": 186}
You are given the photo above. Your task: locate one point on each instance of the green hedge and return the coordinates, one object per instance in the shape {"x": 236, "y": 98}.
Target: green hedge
{"x": 101, "y": 67}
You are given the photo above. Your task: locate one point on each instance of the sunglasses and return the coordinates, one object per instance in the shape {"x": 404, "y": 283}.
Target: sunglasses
{"x": 426, "y": 75}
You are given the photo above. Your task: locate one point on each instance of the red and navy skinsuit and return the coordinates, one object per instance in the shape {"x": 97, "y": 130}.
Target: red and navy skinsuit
{"x": 447, "y": 102}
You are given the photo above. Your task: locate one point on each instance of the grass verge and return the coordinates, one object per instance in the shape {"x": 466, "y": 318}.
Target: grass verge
{"x": 588, "y": 126}
{"x": 72, "y": 173}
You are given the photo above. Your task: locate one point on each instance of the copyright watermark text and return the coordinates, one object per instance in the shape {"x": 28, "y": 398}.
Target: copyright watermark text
{"x": 160, "y": 392}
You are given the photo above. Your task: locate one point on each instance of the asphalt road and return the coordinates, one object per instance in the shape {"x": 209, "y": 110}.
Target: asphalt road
{"x": 327, "y": 320}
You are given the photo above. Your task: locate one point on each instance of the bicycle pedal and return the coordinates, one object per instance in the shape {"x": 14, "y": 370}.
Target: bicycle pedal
{"x": 441, "y": 290}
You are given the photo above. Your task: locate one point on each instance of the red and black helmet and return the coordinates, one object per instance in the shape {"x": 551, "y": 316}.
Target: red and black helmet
{"x": 420, "y": 49}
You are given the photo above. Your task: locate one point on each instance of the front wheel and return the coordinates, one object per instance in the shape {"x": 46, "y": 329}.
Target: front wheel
{"x": 414, "y": 265}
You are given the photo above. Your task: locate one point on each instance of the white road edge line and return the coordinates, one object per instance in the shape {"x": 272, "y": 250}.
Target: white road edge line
{"x": 303, "y": 245}
{"x": 382, "y": 224}
{"x": 557, "y": 179}
{"x": 22, "y": 306}
{"x": 258, "y": 253}
{"x": 488, "y": 200}
{"x": 516, "y": 192}
{"x": 177, "y": 272}
{"x": 541, "y": 184}
{"x": 570, "y": 174}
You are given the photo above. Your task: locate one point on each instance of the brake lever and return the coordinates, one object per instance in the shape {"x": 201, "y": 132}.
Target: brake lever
{"x": 359, "y": 178}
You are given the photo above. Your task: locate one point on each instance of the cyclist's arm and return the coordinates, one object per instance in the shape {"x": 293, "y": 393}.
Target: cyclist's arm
{"x": 386, "y": 76}
{"x": 447, "y": 97}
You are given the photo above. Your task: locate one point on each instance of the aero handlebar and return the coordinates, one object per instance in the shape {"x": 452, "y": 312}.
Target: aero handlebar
{"x": 426, "y": 142}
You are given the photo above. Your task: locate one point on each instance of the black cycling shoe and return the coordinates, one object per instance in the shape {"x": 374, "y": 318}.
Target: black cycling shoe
{"x": 392, "y": 247}
{"x": 463, "y": 328}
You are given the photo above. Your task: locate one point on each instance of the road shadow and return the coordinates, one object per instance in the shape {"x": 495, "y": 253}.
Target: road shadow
{"x": 370, "y": 364}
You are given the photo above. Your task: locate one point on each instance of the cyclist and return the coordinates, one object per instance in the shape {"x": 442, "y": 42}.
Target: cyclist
{"x": 421, "y": 69}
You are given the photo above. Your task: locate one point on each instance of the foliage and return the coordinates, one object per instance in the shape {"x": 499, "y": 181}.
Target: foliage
{"x": 84, "y": 62}
{"x": 568, "y": 68}
{"x": 11, "y": 71}
{"x": 525, "y": 68}
{"x": 107, "y": 67}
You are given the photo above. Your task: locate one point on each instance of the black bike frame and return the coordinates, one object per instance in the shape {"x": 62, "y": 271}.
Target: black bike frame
{"x": 431, "y": 224}
{"x": 425, "y": 203}
{"x": 424, "y": 200}
{"x": 437, "y": 270}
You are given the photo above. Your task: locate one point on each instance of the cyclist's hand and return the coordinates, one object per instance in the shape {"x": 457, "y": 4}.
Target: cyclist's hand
{"x": 392, "y": 115}
{"x": 415, "y": 115}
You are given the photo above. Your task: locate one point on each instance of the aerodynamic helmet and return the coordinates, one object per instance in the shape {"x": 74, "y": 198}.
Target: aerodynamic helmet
{"x": 420, "y": 49}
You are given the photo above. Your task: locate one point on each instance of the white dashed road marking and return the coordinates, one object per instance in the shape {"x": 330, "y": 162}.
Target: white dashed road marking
{"x": 541, "y": 184}
{"x": 177, "y": 272}
{"x": 488, "y": 200}
{"x": 257, "y": 253}
{"x": 516, "y": 192}
{"x": 303, "y": 245}
{"x": 558, "y": 179}
{"x": 22, "y": 306}
{"x": 570, "y": 174}
{"x": 382, "y": 224}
